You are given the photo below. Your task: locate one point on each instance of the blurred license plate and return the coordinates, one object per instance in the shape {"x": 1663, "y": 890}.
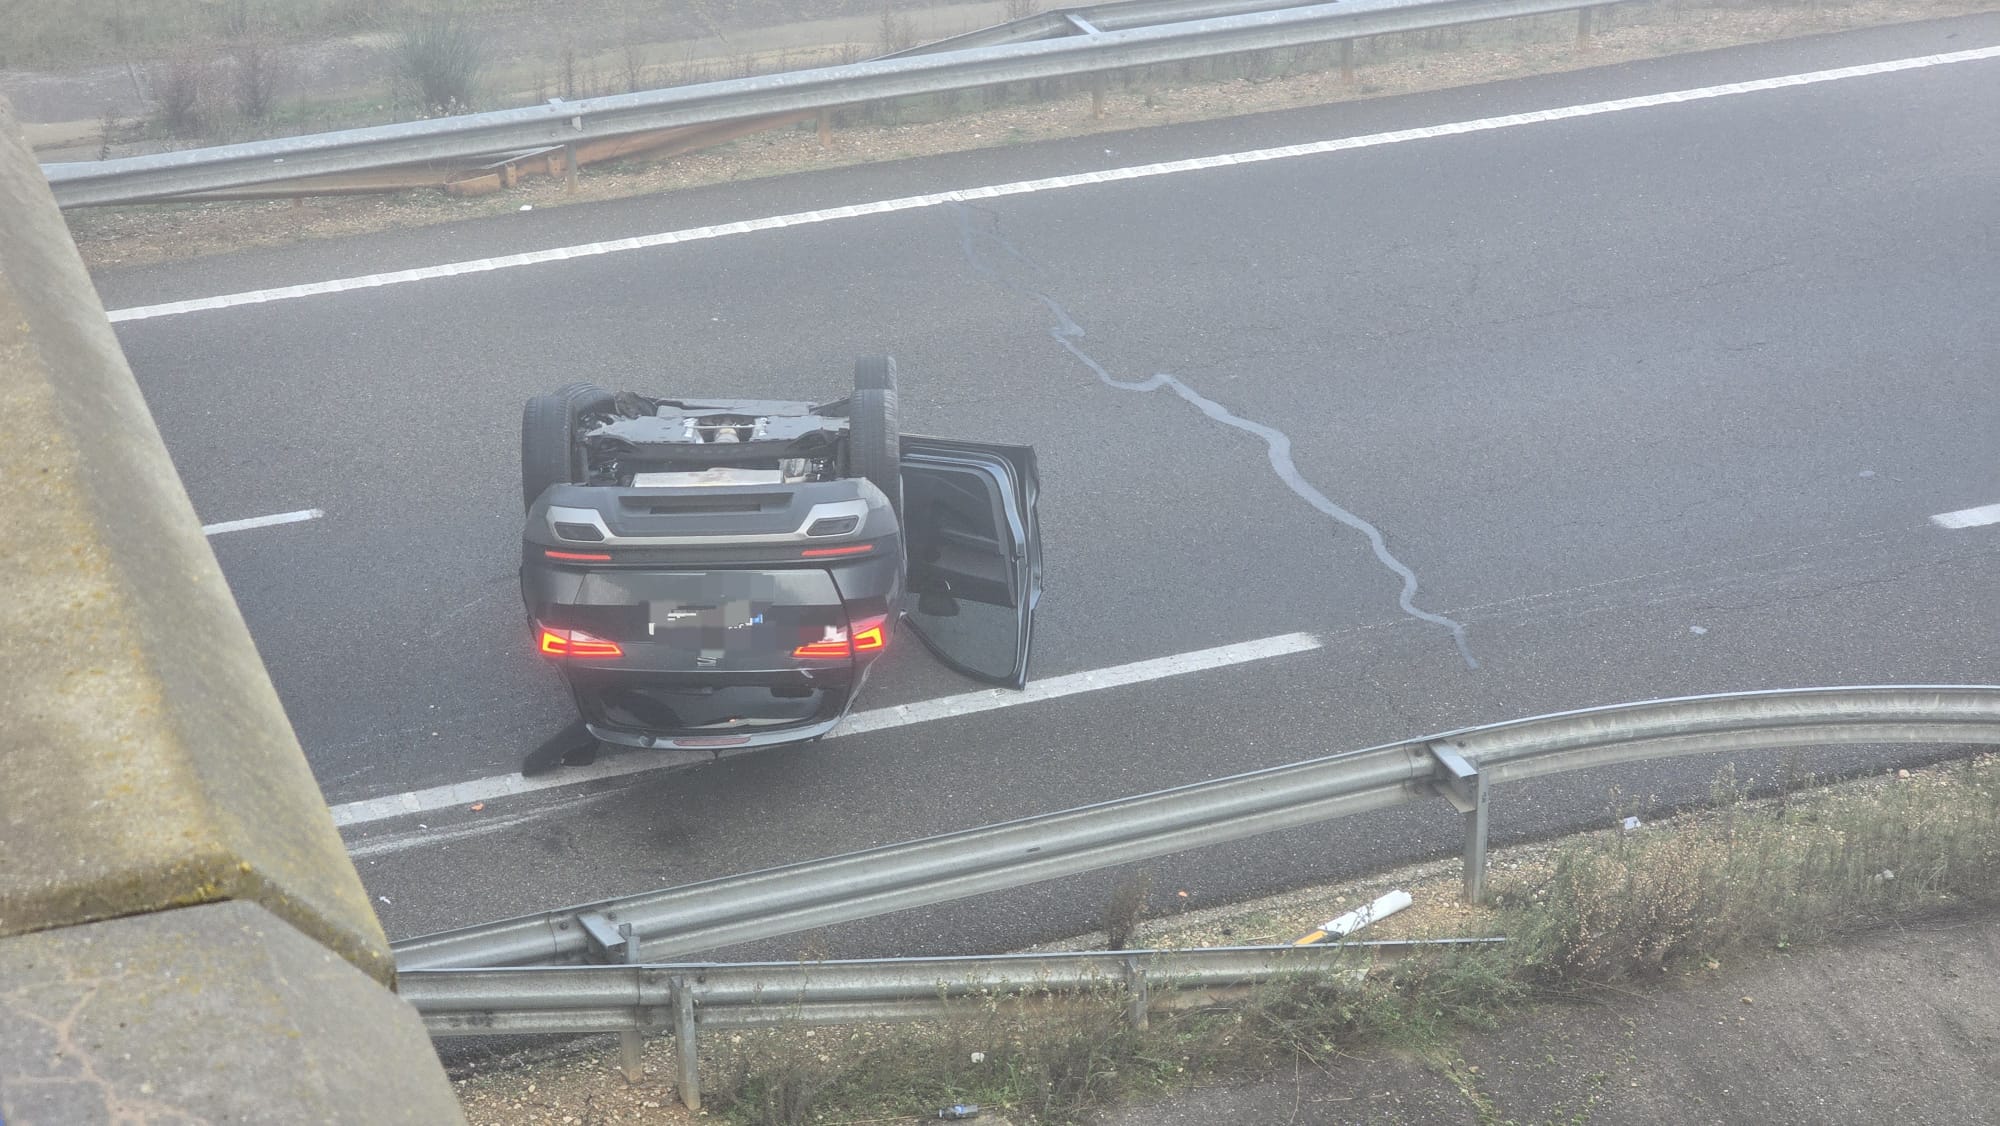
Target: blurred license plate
{"x": 739, "y": 618}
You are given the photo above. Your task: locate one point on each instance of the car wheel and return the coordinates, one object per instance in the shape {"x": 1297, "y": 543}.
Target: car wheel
{"x": 875, "y": 373}
{"x": 584, "y": 399}
{"x": 545, "y": 446}
{"x": 874, "y": 443}
{"x": 550, "y": 453}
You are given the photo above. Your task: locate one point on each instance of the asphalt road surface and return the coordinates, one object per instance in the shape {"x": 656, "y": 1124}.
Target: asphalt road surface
{"x": 1652, "y": 401}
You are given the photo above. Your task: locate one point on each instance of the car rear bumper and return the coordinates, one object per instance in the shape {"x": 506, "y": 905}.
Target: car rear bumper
{"x": 720, "y": 742}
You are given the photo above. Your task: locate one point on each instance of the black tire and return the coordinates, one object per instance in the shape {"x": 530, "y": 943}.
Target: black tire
{"x": 874, "y": 443}
{"x": 550, "y": 453}
{"x": 546, "y": 446}
{"x": 586, "y": 398}
{"x": 875, "y": 373}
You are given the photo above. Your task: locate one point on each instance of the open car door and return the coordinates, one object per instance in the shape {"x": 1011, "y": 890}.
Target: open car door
{"x": 975, "y": 554}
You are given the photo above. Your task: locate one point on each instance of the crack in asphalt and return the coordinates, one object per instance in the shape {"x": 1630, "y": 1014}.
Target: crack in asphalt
{"x": 1067, "y": 334}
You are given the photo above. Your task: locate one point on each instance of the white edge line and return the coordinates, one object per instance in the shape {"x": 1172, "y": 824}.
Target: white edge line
{"x": 458, "y": 795}
{"x": 261, "y": 521}
{"x": 830, "y": 214}
{"x": 1968, "y": 517}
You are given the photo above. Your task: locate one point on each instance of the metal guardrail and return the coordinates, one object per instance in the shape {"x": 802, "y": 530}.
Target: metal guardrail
{"x": 1459, "y": 766}
{"x": 970, "y": 62}
{"x": 576, "y": 999}
{"x": 689, "y": 998}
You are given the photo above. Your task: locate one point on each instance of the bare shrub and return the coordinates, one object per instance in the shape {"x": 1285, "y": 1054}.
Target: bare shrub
{"x": 185, "y": 102}
{"x": 633, "y": 57}
{"x": 894, "y": 32}
{"x": 261, "y": 73}
{"x": 1124, "y": 909}
{"x": 440, "y": 59}
{"x": 566, "y": 71}
{"x": 107, "y": 128}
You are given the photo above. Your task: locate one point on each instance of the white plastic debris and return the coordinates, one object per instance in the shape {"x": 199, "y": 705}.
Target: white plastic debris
{"x": 527, "y": 207}
{"x": 1631, "y": 823}
{"x": 1362, "y": 916}
{"x": 1697, "y": 630}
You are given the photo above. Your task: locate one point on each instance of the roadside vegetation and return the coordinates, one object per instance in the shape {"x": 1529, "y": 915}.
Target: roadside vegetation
{"x": 212, "y": 71}
{"x": 1593, "y": 915}
{"x": 497, "y": 67}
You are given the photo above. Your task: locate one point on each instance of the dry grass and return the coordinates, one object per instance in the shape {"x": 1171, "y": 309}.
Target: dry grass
{"x": 49, "y": 33}
{"x": 1768, "y": 875}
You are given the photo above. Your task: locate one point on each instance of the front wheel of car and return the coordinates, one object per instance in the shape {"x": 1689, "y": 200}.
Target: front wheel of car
{"x": 874, "y": 443}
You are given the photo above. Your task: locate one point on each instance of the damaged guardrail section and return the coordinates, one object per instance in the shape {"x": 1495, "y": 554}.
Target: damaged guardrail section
{"x": 181, "y": 933}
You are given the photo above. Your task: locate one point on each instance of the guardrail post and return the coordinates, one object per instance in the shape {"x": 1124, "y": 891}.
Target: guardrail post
{"x": 632, "y": 1044}
{"x": 825, "y": 128}
{"x": 684, "y": 1042}
{"x": 1138, "y": 995}
{"x": 1583, "y": 29}
{"x": 1347, "y": 62}
{"x": 1097, "y": 96}
{"x": 1459, "y": 782}
{"x": 569, "y": 169}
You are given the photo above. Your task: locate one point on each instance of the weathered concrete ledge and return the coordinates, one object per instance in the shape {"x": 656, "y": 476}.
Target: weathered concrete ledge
{"x": 147, "y": 762}
{"x": 220, "y": 1013}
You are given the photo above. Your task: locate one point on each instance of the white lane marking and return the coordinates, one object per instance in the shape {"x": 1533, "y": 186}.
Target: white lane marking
{"x": 1052, "y": 183}
{"x": 261, "y": 521}
{"x": 461, "y": 794}
{"x": 424, "y": 838}
{"x": 1968, "y": 517}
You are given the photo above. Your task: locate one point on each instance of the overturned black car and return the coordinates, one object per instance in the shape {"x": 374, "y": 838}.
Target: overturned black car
{"x": 722, "y": 574}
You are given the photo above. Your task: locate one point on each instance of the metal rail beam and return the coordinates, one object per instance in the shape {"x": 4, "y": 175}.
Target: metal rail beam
{"x": 685, "y": 920}
{"x": 438, "y": 140}
{"x": 528, "y": 999}
{"x": 633, "y": 1000}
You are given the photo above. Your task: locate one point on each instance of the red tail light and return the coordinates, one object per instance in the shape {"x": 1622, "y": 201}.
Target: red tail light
{"x": 824, "y": 552}
{"x": 576, "y": 643}
{"x": 870, "y": 636}
{"x": 578, "y": 556}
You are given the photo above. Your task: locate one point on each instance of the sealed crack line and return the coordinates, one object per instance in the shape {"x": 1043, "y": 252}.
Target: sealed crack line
{"x": 1067, "y": 333}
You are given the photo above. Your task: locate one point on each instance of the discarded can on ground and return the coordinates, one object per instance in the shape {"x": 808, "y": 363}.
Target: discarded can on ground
{"x": 959, "y": 1111}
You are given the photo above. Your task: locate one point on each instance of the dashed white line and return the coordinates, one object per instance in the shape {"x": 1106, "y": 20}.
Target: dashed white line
{"x": 1052, "y": 183}
{"x": 1968, "y": 517}
{"x": 461, "y": 794}
{"x": 261, "y": 521}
